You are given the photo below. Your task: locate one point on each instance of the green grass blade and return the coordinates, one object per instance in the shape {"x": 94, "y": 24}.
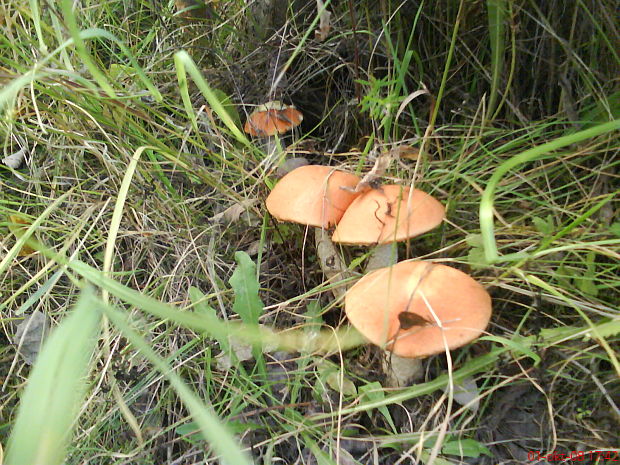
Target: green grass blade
{"x": 212, "y": 429}
{"x": 591, "y": 326}
{"x": 446, "y": 69}
{"x": 119, "y": 207}
{"x": 548, "y": 337}
{"x": 38, "y": 294}
{"x": 10, "y": 91}
{"x": 8, "y": 258}
{"x": 52, "y": 398}
{"x": 326, "y": 341}
{"x": 184, "y": 65}
{"x": 497, "y": 10}
{"x": 486, "y": 203}
{"x": 36, "y": 19}
{"x": 72, "y": 25}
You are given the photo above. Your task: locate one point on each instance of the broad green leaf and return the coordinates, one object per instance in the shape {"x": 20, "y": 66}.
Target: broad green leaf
{"x": 476, "y": 259}
{"x": 373, "y": 392}
{"x": 202, "y": 308}
{"x": 340, "y": 382}
{"x": 247, "y": 303}
{"x": 322, "y": 458}
{"x": 587, "y": 281}
{"x": 607, "y": 329}
{"x": 190, "y": 432}
{"x": 586, "y": 285}
{"x": 331, "y": 375}
{"x": 544, "y": 226}
{"x": 51, "y": 401}
{"x": 474, "y": 240}
{"x": 465, "y": 448}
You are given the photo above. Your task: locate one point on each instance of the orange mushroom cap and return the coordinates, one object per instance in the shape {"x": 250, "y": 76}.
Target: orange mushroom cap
{"x": 272, "y": 118}
{"x": 312, "y": 195}
{"x": 395, "y": 308}
{"x": 388, "y": 214}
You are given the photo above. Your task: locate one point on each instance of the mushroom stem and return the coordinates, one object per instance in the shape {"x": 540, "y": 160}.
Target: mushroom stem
{"x": 333, "y": 266}
{"x": 399, "y": 371}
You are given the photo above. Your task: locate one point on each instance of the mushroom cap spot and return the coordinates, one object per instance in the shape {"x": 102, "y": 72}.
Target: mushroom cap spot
{"x": 312, "y": 195}
{"x": 461, "y": 304}
{"x": 388, "y": 214}
{"x": 272, "y": 118}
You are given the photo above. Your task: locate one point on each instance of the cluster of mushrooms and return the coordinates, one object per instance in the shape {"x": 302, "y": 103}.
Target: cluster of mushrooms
{"x": 411, "y": 309}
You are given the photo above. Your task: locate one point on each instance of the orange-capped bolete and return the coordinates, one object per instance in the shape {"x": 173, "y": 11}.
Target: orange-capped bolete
{"x": 418, "y": 308}
{"x": 387, "y": 214}
{"x": 311, "y": 195}
{"x": 272, "y": 118}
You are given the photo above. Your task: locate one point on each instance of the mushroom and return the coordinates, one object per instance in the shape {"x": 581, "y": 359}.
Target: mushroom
{"x": 385, "y": 215}
{"x": 312, "y": 195}
{"x": 415, "y": 309}
{"x": 388, "y": 214}
{"x": 271, "y": 119}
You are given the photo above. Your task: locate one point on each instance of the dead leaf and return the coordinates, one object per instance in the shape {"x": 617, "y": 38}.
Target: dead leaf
{"x": 382, "y": 256}
{"x": 15, "y": 160}
{"x": 412, "y": 96}
{"x": 242, "y": 351}
{"x": 405, "y": 151}
{"x": 256, "y": 247}
{"x": 324, "y": 22}
{"x": 193, "y": 10}
{"x": 30, "y": 334}
{"x": 234, "y": 212}
{"x": 401, "y": 371}
{"x": 465, "y": 392}
{"x": 372, "y": 179}
{"x": 289, "y": 165}
{"x": 18, "y": 226}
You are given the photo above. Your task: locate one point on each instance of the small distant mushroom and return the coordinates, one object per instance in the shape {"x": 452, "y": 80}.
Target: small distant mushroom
{"x": 271, "y": 119}
{"x": 416, "y": 309}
